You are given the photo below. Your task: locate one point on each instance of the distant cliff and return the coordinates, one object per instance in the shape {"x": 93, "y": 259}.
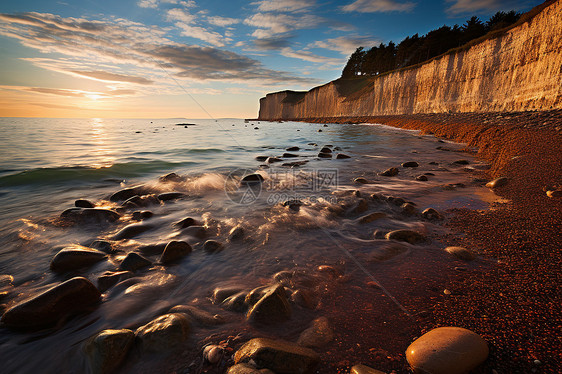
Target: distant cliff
{"x": 519, "y": 70}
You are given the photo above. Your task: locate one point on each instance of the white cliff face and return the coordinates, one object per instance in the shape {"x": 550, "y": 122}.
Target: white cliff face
{"x": 518, "y": 71}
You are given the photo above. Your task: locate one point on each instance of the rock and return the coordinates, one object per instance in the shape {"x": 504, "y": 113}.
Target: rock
{"x": 279, "y": 356}
{"x": 391, "y": 172}
{"x": 212, "y": 246}
{"x": 398, "y": 201}
{"x": 236, "y": 302}
{"x": 255, "y": 295}
{"x": 133, "y": 262}
{"x": 198, "y": 232}
{"x": 293, "y": 149}
{"x": 186, "y": 222}
{"x": 408, "y": 209}
{"x": 379, "y": 234}
{"x": 81, "y": 203}
{"x": 6, "y": 280}
{"x": 171, "y": 177}
{"x": 140, "y": 215}
{"x": 422, "y": 178}
{"x": 325, "y": 150}
{"x": 324, "y": 155}
{"x": 252, "y": 179}
{"x": 221, "y": 293}
{"x": 410, "y": 164}
{"x": 140, "y": 201}
{"x": 387, "y": 252}
{"x": 363, "y": 369}
{"x": 289, "y": 155}
{"x": 461, "y": 253}
{"x": 81, "y": 215}
{"x": 236, "y": 233}
{"x": 200, "y": 316}
{"x": 174, "y": 251}
{"x": 431, "y": 214}
{"x": 447, "y": 350}
{"x": 111, "y": 278}
{"x": 371, "y": 217}
{"x": 461, "y": 162}
{"x": 164, "y": 333}
{"x": 74, "y": 296}
{"x": 107, "y": 349}
{"x": 152, "y": 249}
{"x": 304, "y": 299}
{"x": 75, "y": 257}
{"x": 554, "y": 193}
{"x": 167, "y": 196}
{"x": 247, "y": 369}
{"x": 410, "y": 236}
{"x": 261, "y": 158}
{"x": 317, "y": 335}
{"x": 127, "y": 193}
{"x": 360, "y": 207}
{"x": 271, "y": 160}
{"x": 361, "y": 180}
{"x": 499, "y": 182}
{"x": 102, "y": 245}
{"x": 272, "y": 308}
{"x": 132, "y": 230}
{"x": 319, "y": 130}
{"x": 213, "y": 353}
{"x": 341, "y": 156}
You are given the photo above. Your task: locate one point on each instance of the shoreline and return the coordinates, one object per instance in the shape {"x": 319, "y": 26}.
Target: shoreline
{"x": 514, "y": 305}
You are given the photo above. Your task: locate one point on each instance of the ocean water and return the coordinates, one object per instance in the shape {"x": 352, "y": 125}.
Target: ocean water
{"x": 47, "y": 164}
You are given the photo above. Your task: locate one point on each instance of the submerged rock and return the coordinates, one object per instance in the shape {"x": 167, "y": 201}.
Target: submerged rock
{"x": 127, "y": 193}
{"x": 168, "y": 196}
{"x": 410, "y": 164}
{"x": 74, "y": 296}
{"x": 272, "y": 308}
{"x": 363, "y": 369}
{"x": 107, "y": 349}
{"x": 111, "y": 278}
{"x": 82, "y": 203}
{"x": 461, "y": 253}
{"x": 410, "y": 236}
{"x": 174, "y": 251}
{"x": 132, "y": 230}
{"x": 186, "y": 222}
{"x": 133, "y": 262}
{"x": 279, "y": 356}
{"x": 81, "y": 215}
{"x": 390, "y": 172}
{"x": 252, "y": 179}
{"x": 236, "y": 233}
{"x": 431, "y": 214}
{"x": 341, "y": 156}
{"x": 317, "y": 335}
{"x": 447, "y": 350}
{"x": 499, "y": 182}
{"x": 212, "y": 246}
{"x": 164, "y": 333}
{"x": 371, "y": 217}
{"x": 75, "y": 257}
{"x": 199, "y": 316}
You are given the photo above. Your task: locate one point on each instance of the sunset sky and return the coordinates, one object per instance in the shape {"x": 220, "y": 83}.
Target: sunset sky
{"x": 194, "y": 59}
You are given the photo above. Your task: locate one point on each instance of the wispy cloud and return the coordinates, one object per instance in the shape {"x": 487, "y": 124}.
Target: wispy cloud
{"x": 197, "y": 32}
{"x": 345, "y": 45}
{"x": 310, "y": 57}
{"x": 269, "y": 24}
{"x": 373, "y": 6}
{"x": 478, "y": 6}
{"x": 153, "y": 4}
{"x": 112, "y": 77}
{"x": 268, "y": 44}
{"x": 222, "y": 21}
{"x": 284, "y": 5}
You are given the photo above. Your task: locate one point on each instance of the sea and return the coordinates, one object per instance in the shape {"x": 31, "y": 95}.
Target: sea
{"x": 305, "y": 218}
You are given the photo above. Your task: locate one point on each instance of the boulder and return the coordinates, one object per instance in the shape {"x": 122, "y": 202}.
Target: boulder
{"x": 221, "y": 293}
{"x": 186, "y": 222}
{"x": 410, "y": 164}
{"x": 132, "y": 230}
{"x": 410, "y": 236}
{"x": 341, "y": 156}
{"x": 371, "y": 217}
{"x": 272, "y": 308}
{"x": 390, "y": 172}
{"x": 98, "y": 215}
{"x": 317, "y": 335}
{"x": 236, "y": 233}
{"x": 363, "y": 369}
{"x": 252, "y": 179}
{"x": 212, "y": 246}
{"x": 74, "y": 296}
{"x": 164, "y": 333}
{"x": 167, "y": 196}
{"x": 199, "y": 316}
{"x": 499, "y": 182}
{"x": 127, "y": 193}
{"x": 133, "y": 262}
{"x": 75, "y": 257}
{"x": 111, "y": 278}
{"x": 107, "y": 349}
{"x": 247, "y": 369}
{"x": 174, "y": 251}
{"x": 293, "y": 149}
{"x": 447, "y": 350}
{"x": 431, "y": 214}
{"x": 82, "y": 203}
{"x": 461, "y": 253}
{"x": 279, "y": 356}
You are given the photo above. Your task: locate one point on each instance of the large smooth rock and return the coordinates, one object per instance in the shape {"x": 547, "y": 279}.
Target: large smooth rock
{"x": 447, "y": 350}
{"x": 221, "y": 293}
{"x": 164, "y": 333}
{"x": 247, "y": 369}
{"x": 167, "y": 196}
{"x": 174, "y": 251}
{"x": 132, "y": 230}
{"x": 127, "y": 193}
{"x": 74, "y": 296}
{"x": 363, "y": 369}
{"x": 317, "y": 335}
{"x": 199, "y": 316}
{"x": 279, "y": 356}
{"x": 75, "y": 257}
{"x": 82, "y": 203}
{"x": 499, "y": 182}
{"x": 410, "y": 236}
{"x": 272, "y": 308}
{"x": 96, "y": 215}
{"x": 431, "y": 214}
{"x": 133, "y": 262}
{"x": 107, "y": 350}
{"x": 390, "y": 172}
{"x": 371, "y": 217}
{"x": 461, "y": 253}
{"x": 111, "y": 278}
{"x": 410, "y": 164}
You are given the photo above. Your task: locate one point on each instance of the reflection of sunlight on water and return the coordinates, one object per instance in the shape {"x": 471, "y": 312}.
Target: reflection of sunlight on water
{"x": 100, "y": 152}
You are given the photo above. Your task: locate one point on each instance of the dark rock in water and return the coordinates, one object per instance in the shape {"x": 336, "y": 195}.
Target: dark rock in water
{"x": 236, "y": 233}
{"x": 247, "y": 369}
{"x": 132, "y": 230}
{"x": 325, "y": 150}
{"x": 199, "y": 316}
{"x": 152, "y": 249}
{"x": 261, "y": 158}
{"x": 167, "y": 196}
{"x": 431, "y": 214}
{"x": 422, "y": 178}
{"x": 212, "y": 246}
{"x": 390, "y": 172}
{"x": 140, "y": 215}
{"x": 81, "y": 215}
{"x": 111, "y": 278}
{"x": 164, "y": 333}
{"x": 252, "y": 179}
{"x": 107, "y": 349}
{"x": 324, "y": 155}
{"x": 133, "y": 262}
{"x": 271, "y": 160}
{"x": 221, "y": 293}
{"x": 361, "y": 180}
{"x": 410, "y": 164}
{"x": 461, "y": 162}
{"x": 341, "y": 156}
{"x": 363, "y": 369}
{"x": 140, "y": 201}
{"x": 171, "y": 177}
{"x": 272, "y": 308}
{"x": 293, "y": 149}
{"x": 289, "y": 155}
{"x": 102, "y": 245}
{"x": 319, "y": 130}
{"x": 317, "y": 335}
{"x": 174, "y": 251}
{"x": 198, "y": 232}
{"x": 255, "y": 295}
{"x": 256, "y": 128}
{"x": 81, "y": 203}
{"x": 379, "y": 234}
{"x": 408, "y": 209}
{"x": 304, "y": 299}
{"x": 324, "y": 125}
{"x": 371, "y": 217}
{"x": 410, "y": 236}
{"x": 313, "y": 144}
{"x": 76, "y": 295}
{"x": 398, "y": 201}
{"x": 186, "y": 124}
{"x": 127, "y": 193}
{"x": 279, "y": 356}
{"x": 293, "y": 204}
{"x": 236, "y": 302}
{"x": 186, "y": 222}
{"x": 75, "y": 257}
{"x": 499, "y": 182}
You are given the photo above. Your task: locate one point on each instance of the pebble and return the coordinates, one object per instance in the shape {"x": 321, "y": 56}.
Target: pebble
{"x": 363, "y": 369}
{"x": 213, "y": 353}
{"x": 75, "y": 257}
{"x": 252, "y": 179}
{"x": 107, "y": 349}
{"x": 324, "y": 155}
{"x": 133, "y": 262}
{"x": 168, "y": 196}
{"x": 410, "y": 164}
{"x": 431, "y": 214}
{"x": 499, "y": 182}
{"x": 272, "y": 308}
{"x": 410, "y": 236}
{"x": 461, "y": 253}
{"x": 279, "y": 356}
{"x": 289, "y": 155}
{"x": 212, "y": 246}
{"x": 199, "y": 316}
{"x": 293, "y": 149}
{"x": 271, "y": 160}
{"x": 164, "y": 333}
{"x": 261, "y": 158}
{"x": 236, "y": 233}
{"x": 341, "y": 156}
{"x": 221, "y": 293}
{"x": 325, "y": 150}
{"x": 174, "y": 251}
{"x": 447, "y": 350}
{"x": 371, "y": 217}
{"x": 317, "y": 335}
{"x": 361, "y": 180}
{"x": 81, "y": 203}
{"x": 390, "y": 172}
{"x": 132, "y": 230}
{"x": 409, "y": 209}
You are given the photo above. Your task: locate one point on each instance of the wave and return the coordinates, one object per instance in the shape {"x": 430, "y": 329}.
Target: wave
{"x": 64, "y": 174}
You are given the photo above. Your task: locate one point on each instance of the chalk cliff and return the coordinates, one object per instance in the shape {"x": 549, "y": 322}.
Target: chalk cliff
{"x": 518, "y": 70}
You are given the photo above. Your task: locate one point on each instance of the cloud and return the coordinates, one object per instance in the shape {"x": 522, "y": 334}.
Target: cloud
{"x": 57, "y": 91}
{"x": 112, "y": 77}
{"x": 373, "y": 6}
{"x": 345, "y": 45}
{"x": 153, "y": 4}
{"x": 269, "y": 44}
{"x": 178, "y": 14}
{"x": 222, "y": 21}
{"x": 284, "y": 5}
{"x": 310, "y": 57}
{"x": 201, "y": 33}
{"x": 269, "y": 24}
{"x": 479, "y": 6}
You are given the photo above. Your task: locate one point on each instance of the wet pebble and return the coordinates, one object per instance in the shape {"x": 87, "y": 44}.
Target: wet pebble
{"x": 499, "y": 182}
{"x": 133, "y": 262}
{"x": 75, "y": 257}
{"x": 236, "y": 302}
{"x": 461, "y": 253}
{"x": 82, "y": 203}
{"x": 317, "y": 335}
{"x": 410, "y": 236}
{"x": 408, "y": 209}
{"x": 390, "y": 172}
{"x": 212, "y": 246}
{"x": 107, "y": 349}
{"x": 164, "y": 333}
{"x": 174, "y": 251}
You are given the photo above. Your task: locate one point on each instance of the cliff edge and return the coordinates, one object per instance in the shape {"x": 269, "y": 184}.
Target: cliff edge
{"x": 517, "y": 70}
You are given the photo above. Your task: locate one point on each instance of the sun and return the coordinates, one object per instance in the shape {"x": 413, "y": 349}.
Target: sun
{"x": 94, "y": 97}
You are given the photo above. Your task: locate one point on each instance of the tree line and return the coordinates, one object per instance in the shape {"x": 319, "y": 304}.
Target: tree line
{"x": 416, "y": 49}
